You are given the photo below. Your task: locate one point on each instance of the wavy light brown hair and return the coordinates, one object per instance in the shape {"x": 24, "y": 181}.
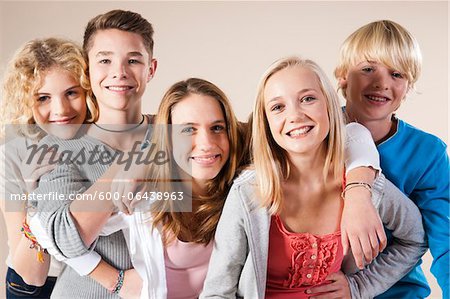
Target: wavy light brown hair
{"x": 25, "y": 75}
{"x": 208, "y": 208}
{"x": 270, "y": 160}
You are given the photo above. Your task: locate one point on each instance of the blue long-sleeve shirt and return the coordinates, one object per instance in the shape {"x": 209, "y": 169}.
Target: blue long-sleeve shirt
{"x": 418, "y": 164}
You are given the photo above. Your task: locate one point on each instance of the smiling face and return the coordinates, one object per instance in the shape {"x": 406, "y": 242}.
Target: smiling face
{"x": 59, "y": 101}
{"x": 296, "y": 110}
{"x": 120, "y": 68}
{"x": 201, "y": 126}
{"x": 373, "y": 91}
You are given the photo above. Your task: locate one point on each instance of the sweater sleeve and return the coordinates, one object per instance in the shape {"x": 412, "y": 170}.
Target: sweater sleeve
{"x": 431, "y": 195}
{"x": 360, "y": 150}
{"x": 402, "y": 216}
{"x": 55, "y": 193}
{"x": 230, "y": 251}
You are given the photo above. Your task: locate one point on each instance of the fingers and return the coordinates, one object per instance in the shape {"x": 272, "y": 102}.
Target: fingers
{"x": 374, "y": 244}
{"x": 382, "y": 239}
{"x": 344, "y": 240}
{"x": 119, "y": 188}
{"x": 330, "y": 295}
{"x": 32, "y": 181}
{"x": 338, "y": 288}
{"x": 366, "y": 246}
{"x": 357, "y": 252}
{"x": 331, "y": 287}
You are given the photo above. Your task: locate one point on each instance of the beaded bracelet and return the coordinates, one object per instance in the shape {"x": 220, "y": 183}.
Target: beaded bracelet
{"x": 26, "y": 231}
{"x": 119, "y": 283}
{"x": 350, "y": 186}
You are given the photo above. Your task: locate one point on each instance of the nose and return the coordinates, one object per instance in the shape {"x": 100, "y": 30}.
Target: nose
{"x": 203, "y": 140}
{"x": 60, "y": 106}
{"x": 120, "y": 71}
{"x": 381, "y": 81}
{"x": 295, "y": 112}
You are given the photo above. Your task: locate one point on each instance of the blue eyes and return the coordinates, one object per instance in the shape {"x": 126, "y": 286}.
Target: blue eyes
{"x": 71, "y": 93}
{"x": 308, "y": 99}
{"x": 187, "y": 130}
{"x": 367, "y": 69}
{"x": 214, "y": 129}
{"x": 395, "y": 74}
{"x": 43, "y": 98}
{"x": 108, "y": 61}
{"x": 276, "y": 108}
{"x": 305, "y": 99}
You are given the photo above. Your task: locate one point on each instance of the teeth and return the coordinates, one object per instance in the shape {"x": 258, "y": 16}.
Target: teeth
{"x": 377, "y": 99}
{"x": 301, "y": 131}
{"x": 205, "y": 159}
{"x": 118, "y": 88}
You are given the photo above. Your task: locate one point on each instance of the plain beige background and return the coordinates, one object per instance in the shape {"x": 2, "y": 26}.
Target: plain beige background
{"x": 231, "y": 44}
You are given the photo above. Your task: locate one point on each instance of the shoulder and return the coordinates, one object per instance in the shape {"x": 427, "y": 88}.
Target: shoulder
{"x": 418, "y": 136}
{"x": 247, "y": 176}
{"x": 244, "y": 192}
{"x": 15, "y": 150}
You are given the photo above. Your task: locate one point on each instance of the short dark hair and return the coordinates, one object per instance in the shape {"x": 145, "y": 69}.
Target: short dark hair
{"x": 123, "y": 20}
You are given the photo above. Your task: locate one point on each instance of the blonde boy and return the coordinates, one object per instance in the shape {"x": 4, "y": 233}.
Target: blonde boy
{"x": 378, "y": 65}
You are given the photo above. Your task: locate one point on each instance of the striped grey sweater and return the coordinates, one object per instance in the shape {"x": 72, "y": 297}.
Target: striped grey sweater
{"x": 75, "y": 177}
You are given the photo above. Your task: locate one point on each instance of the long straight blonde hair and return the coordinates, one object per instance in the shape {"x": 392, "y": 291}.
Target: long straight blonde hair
{"x": 270, "y": 160}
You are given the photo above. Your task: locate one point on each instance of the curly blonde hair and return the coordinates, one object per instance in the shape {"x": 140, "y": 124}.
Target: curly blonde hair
{"x": 25, "y": 74}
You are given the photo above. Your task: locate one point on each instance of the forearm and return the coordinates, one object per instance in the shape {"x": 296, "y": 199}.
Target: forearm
{"x": 26, "y": 263}
{"x": 400, "y": 215}
{"x": 105, "y": 274}
{"x": 91, "y": 215}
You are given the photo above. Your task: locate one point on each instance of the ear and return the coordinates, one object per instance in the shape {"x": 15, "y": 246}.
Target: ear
{"x": 152, "y": 69}
{"x": 342, "y": 82}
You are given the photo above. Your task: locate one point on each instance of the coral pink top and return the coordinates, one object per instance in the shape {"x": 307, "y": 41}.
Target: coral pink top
{"x": 186, "y": 267}
{"x": 298, "y": 261}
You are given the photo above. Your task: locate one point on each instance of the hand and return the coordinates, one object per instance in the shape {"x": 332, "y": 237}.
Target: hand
{"x": 337, "y": 289}
{"x": 128, "y": 181}
{"x": 361, "y": 227}
{"x": 33, "y": 168}
{"x": 132, "y": 285}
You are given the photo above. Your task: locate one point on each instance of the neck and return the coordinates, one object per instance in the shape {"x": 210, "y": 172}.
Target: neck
{"x": 307, "y": 167}
{"x": 380, "y": 129}
{"x": 130, "y": 116}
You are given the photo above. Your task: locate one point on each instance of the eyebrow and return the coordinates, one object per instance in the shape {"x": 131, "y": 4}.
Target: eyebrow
{"x": 73, "y": 87}
{"x": 219, "y": 121}
{"x": 299, "y": 92}
{"x": 109, "y": 53}
{"x": 70, "y": 88}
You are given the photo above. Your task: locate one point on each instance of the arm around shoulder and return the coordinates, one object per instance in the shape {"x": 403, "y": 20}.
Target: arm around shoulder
{"x": 402, "y": 216}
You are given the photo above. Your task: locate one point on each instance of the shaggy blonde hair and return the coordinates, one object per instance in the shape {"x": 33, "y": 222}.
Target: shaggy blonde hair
{"x": 270, "y": 160}
{"x": 25, "y": 75}
{"x": 382, "y": 41}
{"x": 208, "y": 210}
